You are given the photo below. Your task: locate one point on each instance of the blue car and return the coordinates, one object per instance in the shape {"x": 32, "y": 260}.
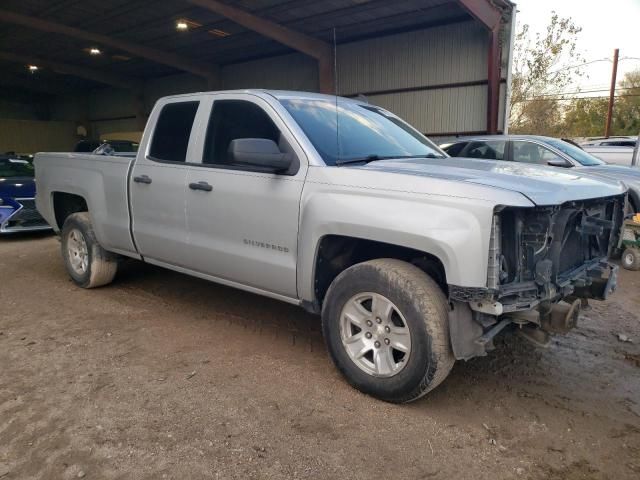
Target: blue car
{"x": 17, "y": 192}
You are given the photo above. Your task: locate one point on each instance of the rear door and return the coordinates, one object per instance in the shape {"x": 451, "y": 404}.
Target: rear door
{"x": 243, "y": 225}
{"x": 158, "y": 181}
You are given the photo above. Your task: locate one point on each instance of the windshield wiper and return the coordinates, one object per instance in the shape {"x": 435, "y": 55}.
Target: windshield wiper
{"x": 374, "y": 158}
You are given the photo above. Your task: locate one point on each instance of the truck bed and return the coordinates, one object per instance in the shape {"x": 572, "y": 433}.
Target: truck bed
{"x": 101, "y": 180}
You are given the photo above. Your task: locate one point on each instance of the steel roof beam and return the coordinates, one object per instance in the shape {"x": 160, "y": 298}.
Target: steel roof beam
{"x": 67, "y": 69}
{"x": 211, "y": 72}
{"x": 484, "y": 12}
{"x": 311, "y": 46}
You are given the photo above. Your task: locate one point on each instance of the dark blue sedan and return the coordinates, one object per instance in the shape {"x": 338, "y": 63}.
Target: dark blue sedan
{"x": 17, "y": 191}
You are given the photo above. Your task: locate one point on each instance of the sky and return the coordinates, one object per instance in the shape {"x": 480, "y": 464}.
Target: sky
{"x": 606, "y": 25}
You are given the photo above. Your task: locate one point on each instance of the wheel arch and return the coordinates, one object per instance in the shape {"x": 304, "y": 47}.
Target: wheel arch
{"x": 65, "y": 204}
{"x": 335, "y": 253}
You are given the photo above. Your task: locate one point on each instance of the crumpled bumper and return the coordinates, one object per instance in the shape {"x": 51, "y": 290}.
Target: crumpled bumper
{"x": 596, "y": 280}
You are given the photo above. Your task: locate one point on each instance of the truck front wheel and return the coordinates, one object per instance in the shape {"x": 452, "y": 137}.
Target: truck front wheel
{"x": 88, "y": 264}
{"x": 385, "y": 323}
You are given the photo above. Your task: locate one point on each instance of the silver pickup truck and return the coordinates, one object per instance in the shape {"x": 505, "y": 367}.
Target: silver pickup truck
{"x": 413, "y": 259}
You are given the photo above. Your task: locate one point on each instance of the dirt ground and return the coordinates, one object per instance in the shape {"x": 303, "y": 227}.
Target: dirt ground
{"x": 165, "y": 376}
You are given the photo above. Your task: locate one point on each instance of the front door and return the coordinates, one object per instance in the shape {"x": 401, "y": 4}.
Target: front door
{"x": 243, "y": 221}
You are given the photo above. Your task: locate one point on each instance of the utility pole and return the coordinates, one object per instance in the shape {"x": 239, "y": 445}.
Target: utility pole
{"x": 612, "y": 93}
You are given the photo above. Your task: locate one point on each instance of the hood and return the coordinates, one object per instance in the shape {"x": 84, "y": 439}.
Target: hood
{"x": 616, "y": 172}
{"x": 17, "y": 187}
{"x": 542, "y": 185}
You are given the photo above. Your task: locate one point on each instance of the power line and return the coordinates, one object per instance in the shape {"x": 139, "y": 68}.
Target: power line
{"x": 578, "y": 92}
{"x": 539, "y": 99}
{"x": 579, "y": 65}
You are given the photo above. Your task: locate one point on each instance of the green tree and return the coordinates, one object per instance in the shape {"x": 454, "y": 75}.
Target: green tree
{"x": 626, "y": 110}
{"x": 543, "y": 66}
{"x": 585, "y": 117}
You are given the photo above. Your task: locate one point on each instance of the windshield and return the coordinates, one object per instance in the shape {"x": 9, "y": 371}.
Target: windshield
{"x": 15, "y": 168}
{"x": 357, "y": 132}
{"x": 576, "y": 153}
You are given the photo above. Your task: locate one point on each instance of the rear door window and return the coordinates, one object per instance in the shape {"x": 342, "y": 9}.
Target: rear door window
{"x": 455, "y": 149}
{"x": 486, "y": 150}
{"x": 619, "y": 143}
{"x": 173, "y": 130}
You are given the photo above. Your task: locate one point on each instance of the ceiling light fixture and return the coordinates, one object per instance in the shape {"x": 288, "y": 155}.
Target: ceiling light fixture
{"x": 32, "y": 68}
{"x": 185, "y": 24}
{"x": 94, "y": 51}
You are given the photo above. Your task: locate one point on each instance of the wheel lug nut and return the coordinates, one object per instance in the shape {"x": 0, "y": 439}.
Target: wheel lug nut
{"x": 368, "y": 334}
{"x": 387, "y": 329}
{"x": 387, "y": 341}
{"x": 377, "y": 344}
{"x": 369, "y": 323}
{"x": 378, "y": 319}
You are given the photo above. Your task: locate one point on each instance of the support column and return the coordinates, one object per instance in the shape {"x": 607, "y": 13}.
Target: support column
{"x": 493, "y": 87}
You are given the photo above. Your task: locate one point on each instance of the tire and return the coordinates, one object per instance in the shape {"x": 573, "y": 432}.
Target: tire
{"x": 416, "y": 302}
{"x": 631, "y": 259}
{"x": 88, "y": 264}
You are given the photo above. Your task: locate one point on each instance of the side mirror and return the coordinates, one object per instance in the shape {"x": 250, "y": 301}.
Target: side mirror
{"x": 259, "y": 152}
{"x": 558, "y": 162}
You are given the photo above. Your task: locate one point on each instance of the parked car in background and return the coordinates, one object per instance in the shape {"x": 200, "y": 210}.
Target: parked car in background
{"x": 623, "y": 141}
{"x": 17, "y": 191}
{"x": 617, "y": 150}
{"x": 121, "y": 146}
{"x": 413, "y": 259}
{"x": 546, "y": 151}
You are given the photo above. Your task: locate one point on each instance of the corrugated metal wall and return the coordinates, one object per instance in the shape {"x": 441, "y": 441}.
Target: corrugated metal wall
{"x": 22, "y": 110}
{"x": 287, "y": 72}
{"x": 422, "y": 60}
{"x": 418, "y": 60}
{"x": 30, "y": 136}
{"x": 439, "y": 111}
{"x": 447, "y": 54}
{"x": 408, "y": 73}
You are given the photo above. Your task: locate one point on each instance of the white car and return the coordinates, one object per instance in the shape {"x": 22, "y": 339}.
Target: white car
{"x": 618, "y": 141}
{"x": 616, "y": 150}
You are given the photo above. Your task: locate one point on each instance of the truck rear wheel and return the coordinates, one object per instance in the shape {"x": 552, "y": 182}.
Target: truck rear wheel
{"x": 386, "y": 326}
{"x": 88, "y": 264}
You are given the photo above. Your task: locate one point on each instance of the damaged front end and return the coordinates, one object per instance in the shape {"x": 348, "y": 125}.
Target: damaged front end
{"x": 544, "y": 264}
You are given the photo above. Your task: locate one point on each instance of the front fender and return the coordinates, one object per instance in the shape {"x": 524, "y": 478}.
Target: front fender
{"x": 455, "y": 230}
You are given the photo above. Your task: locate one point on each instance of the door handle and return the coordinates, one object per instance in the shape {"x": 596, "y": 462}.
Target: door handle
{"x": 204, "y": 186}
{"x": 142, "y": 179}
